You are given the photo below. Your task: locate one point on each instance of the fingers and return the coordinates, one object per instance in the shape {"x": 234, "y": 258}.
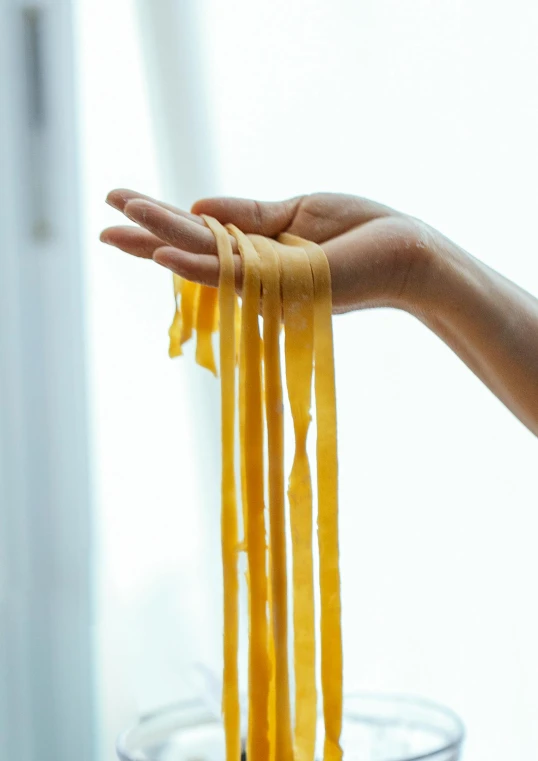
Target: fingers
{"x": 132, "y": 240}
{"x": 120, "y": 197}
{"x": 173, "y": 228}
{"x": 200, "y": 268}
{"x": 181, "y": 241}
{"x": 262, "y": 218}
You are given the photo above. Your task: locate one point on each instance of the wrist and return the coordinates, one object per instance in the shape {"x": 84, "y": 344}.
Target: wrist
{"x": 450, "y": 282}
{"x": 427, "y": 270}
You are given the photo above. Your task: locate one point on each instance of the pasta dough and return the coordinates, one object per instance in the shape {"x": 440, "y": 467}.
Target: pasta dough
{"x": 205, "y": 327}
{"x": 190, "y": 293}
{"x": 327, "y": 472}
{"x": 298, "y": 302}
{"x": 292, "y": 277}
{"x": 259, "y": 666}
{"x": 274, "y": 411}
{"x": 229, "y": 530}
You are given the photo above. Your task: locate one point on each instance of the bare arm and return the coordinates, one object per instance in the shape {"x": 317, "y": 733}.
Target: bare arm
{"x": 490, "y": 322}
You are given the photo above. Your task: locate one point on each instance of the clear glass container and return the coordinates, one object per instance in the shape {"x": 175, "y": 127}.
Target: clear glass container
{"x": 376, "y": 728}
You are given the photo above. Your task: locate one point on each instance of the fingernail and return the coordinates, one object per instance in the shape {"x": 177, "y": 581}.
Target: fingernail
{"x": 156, "y": 256}
{"x": 104, "y": 238}
{"x": 114, "y": 204}
{"x": 132, "y": 213}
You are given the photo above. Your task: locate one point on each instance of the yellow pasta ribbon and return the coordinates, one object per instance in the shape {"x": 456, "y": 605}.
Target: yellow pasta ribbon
{"x": 237, "y": 328}
{"x": 176, "y": 326}
{"x": 298, "y": 297}
{"x": 229, "y": 531}
{"x": 259, "y": 665}
{"x": 190, "y": 294}
{"x": 272, "y": 717}
{"x": 293, "y": 278}
{"x": 327, "y": 476}
{"x": 205, "y": 327}
{"x": 242, "y": 430}
{"x": 274, "y": 411}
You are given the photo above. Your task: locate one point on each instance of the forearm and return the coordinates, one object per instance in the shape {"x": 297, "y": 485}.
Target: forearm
{"x": 490, "y": 322}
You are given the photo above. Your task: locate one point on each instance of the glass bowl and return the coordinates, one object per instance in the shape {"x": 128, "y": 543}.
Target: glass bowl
{"x": 376, "y": 728}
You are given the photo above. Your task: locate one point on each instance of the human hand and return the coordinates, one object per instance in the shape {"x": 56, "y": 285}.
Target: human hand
{"x": 377, "y": 256}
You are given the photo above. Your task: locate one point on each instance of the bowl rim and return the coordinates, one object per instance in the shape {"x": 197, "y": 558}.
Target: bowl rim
{"x": 452, "y": 744}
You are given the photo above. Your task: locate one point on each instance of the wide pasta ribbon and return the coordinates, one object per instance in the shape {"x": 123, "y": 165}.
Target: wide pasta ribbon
{"x": 290, "y": 279}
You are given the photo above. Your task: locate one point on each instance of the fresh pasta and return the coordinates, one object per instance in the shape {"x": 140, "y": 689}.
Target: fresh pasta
{"x": 291, "y": 277}
{"x": 298, "y": 310}
{"x": 229, "y": 518}
{"x": 272, "y": 315}
{"x": 256, "y": 541}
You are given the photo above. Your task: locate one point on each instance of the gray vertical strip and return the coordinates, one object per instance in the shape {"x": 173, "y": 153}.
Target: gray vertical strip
{"x": 16, "y": 735}
{"x": 33, "y": 23}
{"x": 36, "y": 80}
{"x": 46, "y": 646}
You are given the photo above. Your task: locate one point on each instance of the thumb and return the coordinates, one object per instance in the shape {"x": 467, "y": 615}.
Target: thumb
{"x": 259, "y": 217}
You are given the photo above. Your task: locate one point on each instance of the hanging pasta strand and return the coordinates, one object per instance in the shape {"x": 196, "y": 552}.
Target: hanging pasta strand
{"x": 205, "y": 327}
{"x": 177, "y": 323}
{"x": 298, "y": 297}
{"x": 241, "y": 357}
{"x": 259, "y": 665}
{"x": 237, "y": 329}
{"x": 229, "y": 530}
{"x": 272, "y": 712}
{"x": 292, "y": 276}
{"x": 274, "y": 410}
{"x": 327, "y": 474}
{"x": 190, "y": 294}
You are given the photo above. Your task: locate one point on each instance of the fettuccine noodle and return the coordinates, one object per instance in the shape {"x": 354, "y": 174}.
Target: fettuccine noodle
{"x": 290, "y": 279}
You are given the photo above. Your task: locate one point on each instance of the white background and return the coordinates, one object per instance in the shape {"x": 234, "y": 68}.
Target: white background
{"x": 431, "y": 107}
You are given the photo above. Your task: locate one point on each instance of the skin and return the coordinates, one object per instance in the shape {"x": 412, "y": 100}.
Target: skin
{"x": 378, "y": 257}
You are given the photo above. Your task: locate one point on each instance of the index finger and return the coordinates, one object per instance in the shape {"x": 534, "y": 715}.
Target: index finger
{"x": 119, "y": 197}
{"x": 173, "y": 228}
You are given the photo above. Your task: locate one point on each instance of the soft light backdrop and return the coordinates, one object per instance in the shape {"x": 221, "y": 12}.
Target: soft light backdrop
{"x": 429, "y": 107}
